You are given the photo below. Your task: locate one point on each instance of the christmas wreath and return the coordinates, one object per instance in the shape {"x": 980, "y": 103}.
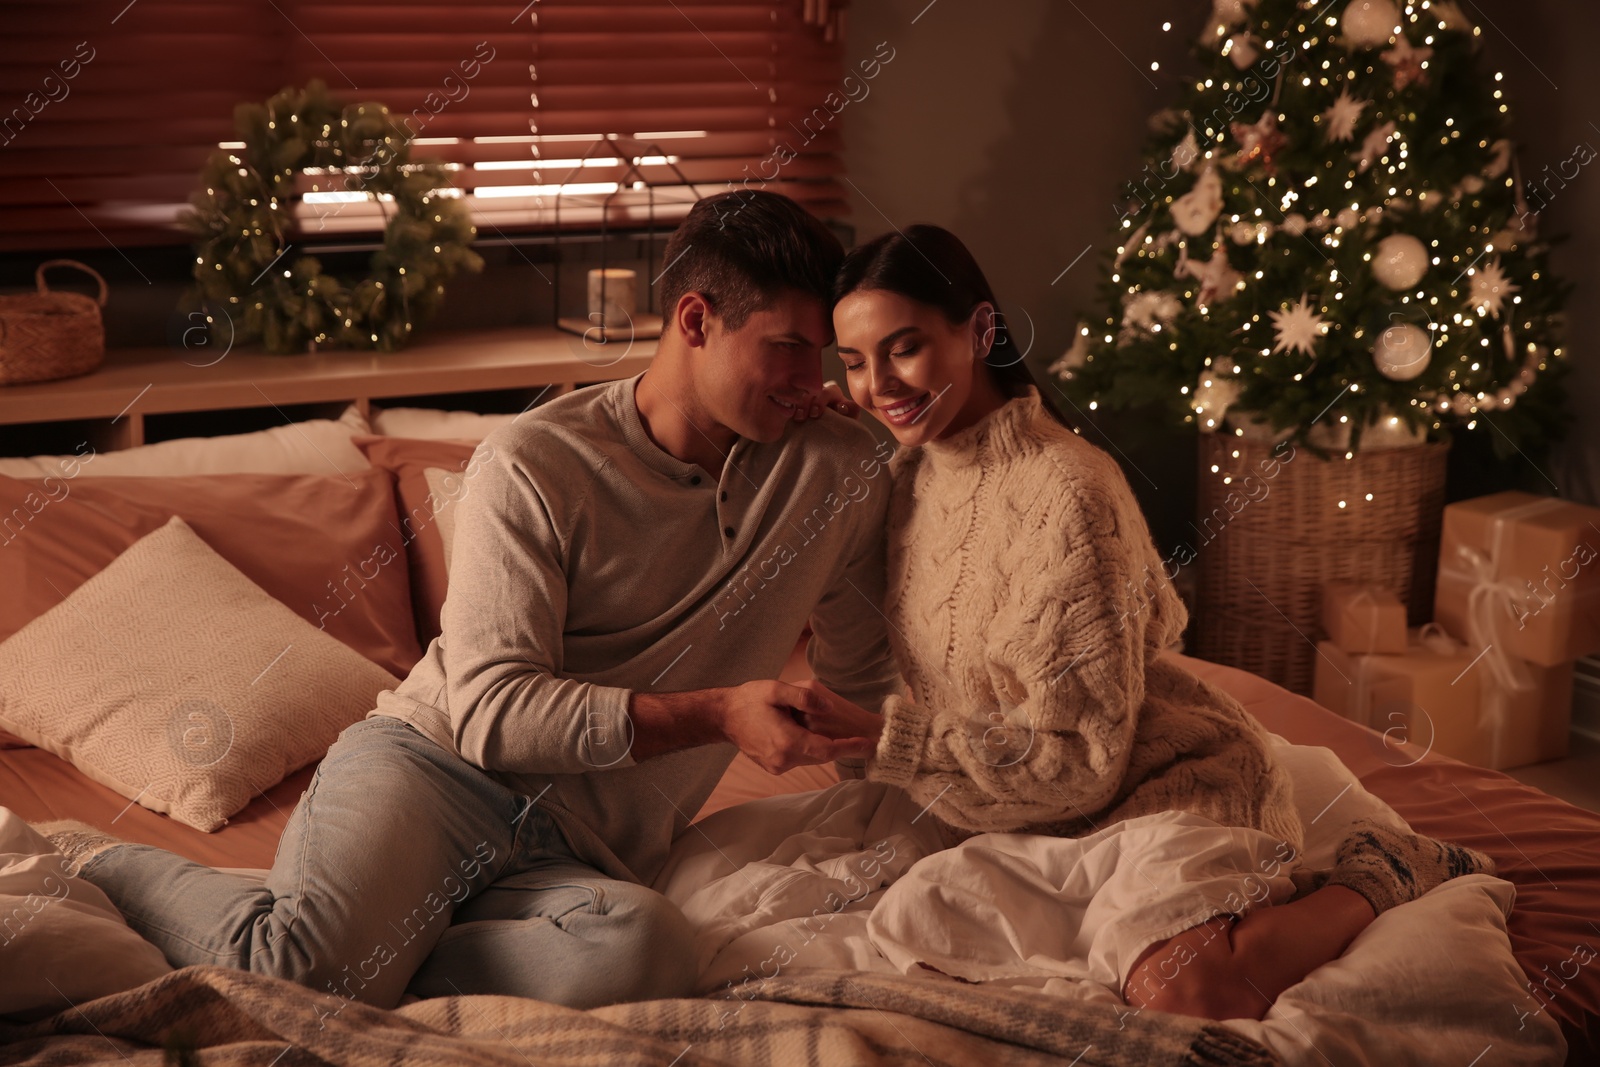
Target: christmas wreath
{"x": 241, "y": 217}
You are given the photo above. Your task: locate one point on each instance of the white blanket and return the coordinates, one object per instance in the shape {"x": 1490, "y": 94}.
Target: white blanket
{"x": 62, "y": 941}
{"x": 856, "y": 876}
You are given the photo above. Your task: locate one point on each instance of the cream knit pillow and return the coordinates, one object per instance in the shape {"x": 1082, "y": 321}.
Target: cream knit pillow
{"x": 175, "y": 680}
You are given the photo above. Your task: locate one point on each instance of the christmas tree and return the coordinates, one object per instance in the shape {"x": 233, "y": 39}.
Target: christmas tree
{"x": 1329, "y": 239}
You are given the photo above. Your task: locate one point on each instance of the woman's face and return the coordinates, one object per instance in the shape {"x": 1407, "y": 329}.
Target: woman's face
{"x": 910, "y": 367}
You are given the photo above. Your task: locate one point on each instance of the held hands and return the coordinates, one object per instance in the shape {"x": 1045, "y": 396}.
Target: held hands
{"x": 830, "y": 397}
{"x": 782, "y": 726}
{"x": 837, "y": 717}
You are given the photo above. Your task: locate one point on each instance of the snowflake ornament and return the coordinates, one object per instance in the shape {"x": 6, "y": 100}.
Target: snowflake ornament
{"x": 1491, "y": 288}
{"x": 1298, "y": 328}
{"x": 1343, "y": 116}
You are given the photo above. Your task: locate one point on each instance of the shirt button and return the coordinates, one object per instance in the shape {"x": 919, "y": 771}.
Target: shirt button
{"x": 694, "y": 480}
{"x": 728, "y": 530}
{"x": 724, "y": 494}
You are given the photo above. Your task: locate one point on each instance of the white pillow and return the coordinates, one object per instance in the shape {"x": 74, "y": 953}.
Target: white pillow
{"x": 432, "y": 425}
{"x": 317, "y": 446}
{"x": 445, "y": 490}
{"x": 62, "y": 940}
{"x": 1430, "y": 982}
{"x": 175, "y": 680}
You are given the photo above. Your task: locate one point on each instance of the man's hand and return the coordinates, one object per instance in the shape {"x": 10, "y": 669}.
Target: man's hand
{"x": 838, "y": 717}
{"x": 764, "y": 718}
{"x": 830, "y": 397}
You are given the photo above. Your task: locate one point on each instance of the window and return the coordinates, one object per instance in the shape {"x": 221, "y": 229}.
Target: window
{"x": 109, "y": 108}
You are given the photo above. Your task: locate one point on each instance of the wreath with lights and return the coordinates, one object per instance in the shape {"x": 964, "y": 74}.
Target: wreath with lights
{"x": 245, "y": 231}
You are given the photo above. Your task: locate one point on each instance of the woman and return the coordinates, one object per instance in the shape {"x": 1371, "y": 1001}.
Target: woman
{"x": 1028, "y": 610}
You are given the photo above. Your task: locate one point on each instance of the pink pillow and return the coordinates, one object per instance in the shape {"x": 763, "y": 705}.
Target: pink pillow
{"x": 325, "y": 545}
{"x": 406, "y": 458}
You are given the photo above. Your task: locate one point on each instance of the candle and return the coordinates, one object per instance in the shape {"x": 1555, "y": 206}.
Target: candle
{"x": 614, "y": 309}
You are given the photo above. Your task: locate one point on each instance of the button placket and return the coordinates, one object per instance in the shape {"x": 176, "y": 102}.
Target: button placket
{"x": 728, "y": 529}
{"x": 725, "y": 513}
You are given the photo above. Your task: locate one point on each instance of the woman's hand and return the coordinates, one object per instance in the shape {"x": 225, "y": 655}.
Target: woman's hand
{"x": 768, "y": 721}
{"x": 831, "y": 715}
{"x": 830, "y": 397}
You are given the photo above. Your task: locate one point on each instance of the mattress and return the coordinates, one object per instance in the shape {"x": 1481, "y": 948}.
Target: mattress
{"x": 1548, "y": 849}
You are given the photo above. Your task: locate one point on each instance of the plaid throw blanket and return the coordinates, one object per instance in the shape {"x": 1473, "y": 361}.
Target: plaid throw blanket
{"x": 817, "y": 1019}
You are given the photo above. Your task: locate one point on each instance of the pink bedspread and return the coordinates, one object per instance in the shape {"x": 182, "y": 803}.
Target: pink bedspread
{"x": 1548, "y": 848}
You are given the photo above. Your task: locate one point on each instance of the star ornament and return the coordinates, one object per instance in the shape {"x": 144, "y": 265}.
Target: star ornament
{"x": 1343, "y": 116}
{"x": 1373, "y": 148}
{"x": 1258, "y": 141}
{"x": 1408, "y": 62}
{"x": 1491, "y": 288}
{"x": 1225, "y": 14}
{"x": 1150, "y": 308}
{"x": 1232, "y": 11}
{"x": 1218, "y": 280}
{"x": 1186, "y": 152}
{"x": 1450, "y": 16}
{"x": 1298, "y": 328}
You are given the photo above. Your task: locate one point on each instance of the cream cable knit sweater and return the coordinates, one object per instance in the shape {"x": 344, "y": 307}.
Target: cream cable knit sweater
{"x": 1029, "y": 608}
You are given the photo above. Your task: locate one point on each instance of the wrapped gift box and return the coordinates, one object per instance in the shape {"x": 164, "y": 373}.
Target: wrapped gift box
{"x": 1522, "y": 572}
{"x": 1346, "y": 686}
{"x": 1528, "y": 726}
{"x": 1444, "y": 697}
{"x": 1364, "y": 618}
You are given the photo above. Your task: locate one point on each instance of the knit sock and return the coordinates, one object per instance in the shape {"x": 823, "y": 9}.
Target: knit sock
{"x": 1389, "y": 867}
{"x": 77, "y": 841}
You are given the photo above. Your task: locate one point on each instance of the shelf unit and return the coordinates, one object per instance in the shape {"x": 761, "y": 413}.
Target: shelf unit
{"x": 141, "y": 387}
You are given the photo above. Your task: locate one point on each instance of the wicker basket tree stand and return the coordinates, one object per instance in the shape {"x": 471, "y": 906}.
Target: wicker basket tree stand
{"x": 1277, "y": 523}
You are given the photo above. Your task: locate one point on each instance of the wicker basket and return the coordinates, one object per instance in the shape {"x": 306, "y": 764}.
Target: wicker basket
{"x": 47, "y": 335}
{"x": 1269, "y": 537}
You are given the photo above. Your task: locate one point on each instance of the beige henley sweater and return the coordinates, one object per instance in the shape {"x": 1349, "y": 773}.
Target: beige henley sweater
{"x": 588, "y": 563}
{"x": 1029, "y": 610}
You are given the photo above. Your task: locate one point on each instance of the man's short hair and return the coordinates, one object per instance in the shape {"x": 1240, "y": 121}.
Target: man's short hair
{"x": 741, "y": 249}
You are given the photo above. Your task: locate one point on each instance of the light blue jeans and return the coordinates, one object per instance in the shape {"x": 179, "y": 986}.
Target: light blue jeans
{"x": 404, "y": 868}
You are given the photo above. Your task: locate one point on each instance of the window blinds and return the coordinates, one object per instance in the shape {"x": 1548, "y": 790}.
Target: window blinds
{"x": 546, "y": 113}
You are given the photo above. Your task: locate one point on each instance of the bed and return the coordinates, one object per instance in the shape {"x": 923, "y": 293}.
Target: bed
{"x": 1548, "y": 849}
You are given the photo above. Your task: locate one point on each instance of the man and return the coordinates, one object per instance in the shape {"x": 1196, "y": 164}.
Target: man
{"x": 631, "y": 567}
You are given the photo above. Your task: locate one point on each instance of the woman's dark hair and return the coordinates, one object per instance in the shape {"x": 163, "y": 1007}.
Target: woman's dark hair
{"x": 930, "y": 265}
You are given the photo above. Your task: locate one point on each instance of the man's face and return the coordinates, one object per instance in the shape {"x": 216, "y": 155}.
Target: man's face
{"x": 753, "y": 379}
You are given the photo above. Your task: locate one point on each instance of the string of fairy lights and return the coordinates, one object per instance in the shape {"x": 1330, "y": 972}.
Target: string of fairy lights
{"x": 1333, "y": 222}
{"x": 250, "y": 213}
